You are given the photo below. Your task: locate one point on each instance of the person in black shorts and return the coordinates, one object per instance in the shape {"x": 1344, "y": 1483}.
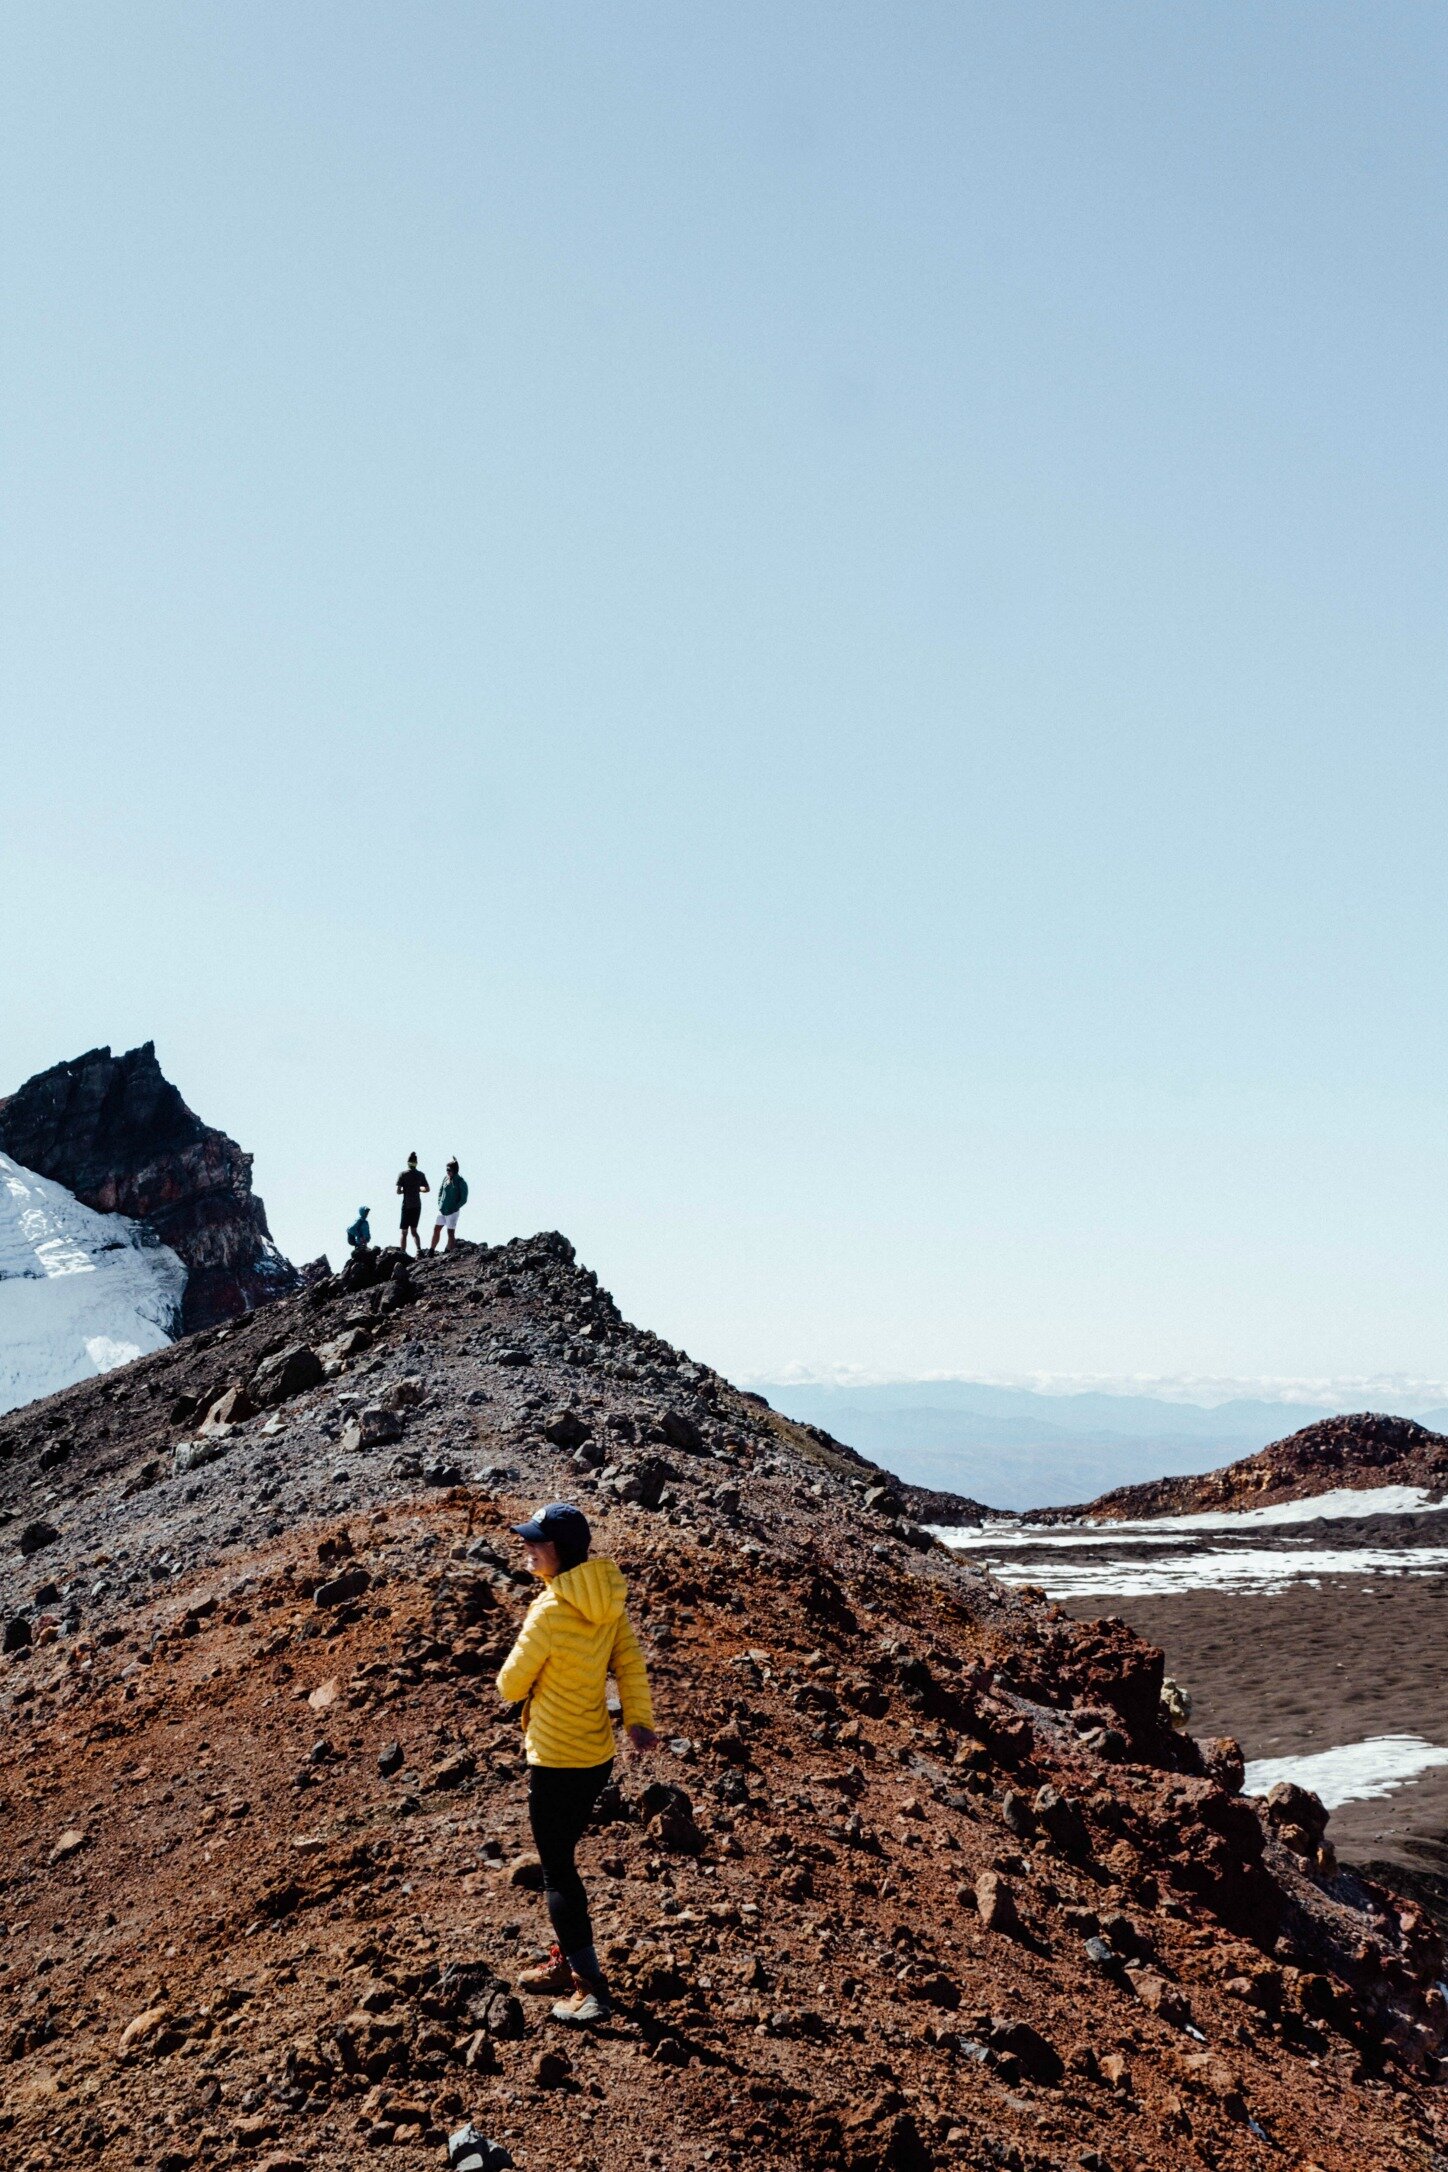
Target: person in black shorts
{"x": 412, "y": 1184}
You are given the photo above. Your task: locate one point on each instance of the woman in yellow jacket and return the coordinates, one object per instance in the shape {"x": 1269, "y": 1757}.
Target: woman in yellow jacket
{"x": 575, "y": 1635}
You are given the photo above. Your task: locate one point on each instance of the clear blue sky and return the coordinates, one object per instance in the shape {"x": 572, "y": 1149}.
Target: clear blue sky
{"x": 813, "y": 633}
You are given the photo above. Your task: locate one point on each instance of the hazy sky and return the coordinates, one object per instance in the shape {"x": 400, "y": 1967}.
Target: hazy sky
{"x": 814, "y": 634}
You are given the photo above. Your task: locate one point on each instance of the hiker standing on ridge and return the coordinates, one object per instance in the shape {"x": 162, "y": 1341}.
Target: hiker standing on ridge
{"x": 361, "y": 1231}
{"x": 576, "y": 1633}
{"x": 450, "y": 1201}
{"x": 412, "y": 1184}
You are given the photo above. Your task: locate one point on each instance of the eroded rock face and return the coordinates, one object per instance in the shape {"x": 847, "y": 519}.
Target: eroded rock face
{"x": 116, "y": 1132}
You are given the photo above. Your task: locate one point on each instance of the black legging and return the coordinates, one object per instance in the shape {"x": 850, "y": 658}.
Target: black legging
{"x": 560, "y": 1802}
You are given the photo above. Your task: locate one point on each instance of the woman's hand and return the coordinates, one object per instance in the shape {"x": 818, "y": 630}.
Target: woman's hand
{"x": 641, "y": 1740}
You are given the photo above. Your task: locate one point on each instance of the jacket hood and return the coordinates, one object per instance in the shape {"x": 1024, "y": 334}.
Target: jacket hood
{"x": 595, "y": 1589}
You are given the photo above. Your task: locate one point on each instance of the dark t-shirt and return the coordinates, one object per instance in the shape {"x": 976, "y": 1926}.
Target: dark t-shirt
{"x": 412, "y": 1184}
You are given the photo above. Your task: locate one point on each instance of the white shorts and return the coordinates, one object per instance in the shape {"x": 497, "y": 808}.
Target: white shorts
{"x": 449, "y": 1221}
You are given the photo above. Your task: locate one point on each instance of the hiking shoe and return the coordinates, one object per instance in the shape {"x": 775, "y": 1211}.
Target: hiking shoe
{"x": 588, "y": 2007}
{"x": 548, "y": 1978}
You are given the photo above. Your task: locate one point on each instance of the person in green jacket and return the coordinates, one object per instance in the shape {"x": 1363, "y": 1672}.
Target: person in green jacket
{"x": 450, "y": 1202}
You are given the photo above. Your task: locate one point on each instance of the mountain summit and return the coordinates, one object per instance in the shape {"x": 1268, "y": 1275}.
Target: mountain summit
{"x": 116, "y": 1133}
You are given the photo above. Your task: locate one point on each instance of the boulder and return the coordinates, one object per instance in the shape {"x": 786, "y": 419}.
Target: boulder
{"x": 233, "y": 1407}
{"x": 995, "y": 1903}
{"x": 350, "y": 1344}
{"x": 405, "y": 1394}
{"x": 1161, "y": 1998}
{"x": 453, "y": 1771}
{"x": 145, "y": 2032}
{"x": 1039, "y": 2059}
{"x": 36, "y": 1535}
{"x": 337, "y": 1590}
{"x": 1059, "y": 1818}
{"x": 566, "y": 1429}
{"x": 361, "y": 1270}
{"x": 1297, "y": 1818}
{"x": 469, "y": 2150}
{"x": 400, "y": 1290}
{"x": 1176, "y": 1705}
{"x": 1223, "y": 1762}
{"x": 643, "y": 1486}
{"x": 680, "y": 1431}
{"x": 1019, "y": 1817}
{"x": 194, "y": 1455}
{"x": 373, "y": 1427}
{"x": 286, "y": 1373}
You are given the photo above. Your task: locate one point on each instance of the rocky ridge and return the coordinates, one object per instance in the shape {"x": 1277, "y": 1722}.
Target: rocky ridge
{"x": 115, "y": 1132}
{"x": 924, "y": 1876}
{"x": 1366, "y": 1450}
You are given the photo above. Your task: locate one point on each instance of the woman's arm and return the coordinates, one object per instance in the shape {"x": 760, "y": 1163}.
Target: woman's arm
{"x": 524, "y": 1663}
{"x": 626, "y": 1665}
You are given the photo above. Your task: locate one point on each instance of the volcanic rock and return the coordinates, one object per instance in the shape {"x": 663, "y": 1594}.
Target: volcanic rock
{"x": 808, "y": 1940}
{"x": 115, "y": 1131}
{"x": 288, "y": 1372}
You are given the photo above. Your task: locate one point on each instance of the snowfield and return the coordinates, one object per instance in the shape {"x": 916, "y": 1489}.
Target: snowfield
{"x": 1343, "y": 1503}
{"x": 80, "y": 1292}
{"x": 1167, "y": 1556}
{"x": 1244, "y": 1568}
{"x": 1357, "y": 1772}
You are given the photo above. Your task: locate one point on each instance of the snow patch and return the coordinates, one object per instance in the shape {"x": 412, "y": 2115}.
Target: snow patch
{"x": 105, "y": 1353}
{"x": 1357, "y": 1772}
{"x": 80, "y": 1292}
{"x": 1228, "y": 1569}
{"x": 1342, "y": 1502}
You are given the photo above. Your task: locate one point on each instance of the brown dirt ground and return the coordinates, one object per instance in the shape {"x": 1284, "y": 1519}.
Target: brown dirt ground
{"x": 1303, "y": 1670}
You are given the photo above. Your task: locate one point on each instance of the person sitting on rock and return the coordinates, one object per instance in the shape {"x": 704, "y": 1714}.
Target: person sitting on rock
{"x": 450, "y": 1202}
{"x": 361, "y": 1231}
{"x": 575, "y": 1635}
{"x": 412, "y": 1184}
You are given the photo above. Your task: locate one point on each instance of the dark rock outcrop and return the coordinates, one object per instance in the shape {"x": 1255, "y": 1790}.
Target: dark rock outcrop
{"x": 116, "y": 1132}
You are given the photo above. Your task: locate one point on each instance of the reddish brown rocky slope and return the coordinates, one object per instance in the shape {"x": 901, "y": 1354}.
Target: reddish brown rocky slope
{"x": 921, "y": 1879}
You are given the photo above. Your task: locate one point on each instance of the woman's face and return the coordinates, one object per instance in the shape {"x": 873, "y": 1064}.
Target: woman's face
{"x": 542, "y": 1557}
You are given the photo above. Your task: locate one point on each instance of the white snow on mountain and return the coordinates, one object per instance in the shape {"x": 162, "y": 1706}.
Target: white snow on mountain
{"x": 80, "y": 1292}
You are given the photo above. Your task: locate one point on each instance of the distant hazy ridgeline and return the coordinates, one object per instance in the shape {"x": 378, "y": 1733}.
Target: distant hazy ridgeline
{"x": 1018, "y": 1448}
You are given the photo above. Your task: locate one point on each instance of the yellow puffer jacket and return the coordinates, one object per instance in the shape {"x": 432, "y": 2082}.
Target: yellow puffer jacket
{"x": 574, "y": 1636}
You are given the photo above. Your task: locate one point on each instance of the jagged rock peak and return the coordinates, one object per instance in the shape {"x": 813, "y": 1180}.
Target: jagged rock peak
{"x": 117, "y": 1133}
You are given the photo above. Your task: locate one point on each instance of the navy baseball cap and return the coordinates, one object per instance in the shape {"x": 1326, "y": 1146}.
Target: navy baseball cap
{"x": 560, "y": 1524}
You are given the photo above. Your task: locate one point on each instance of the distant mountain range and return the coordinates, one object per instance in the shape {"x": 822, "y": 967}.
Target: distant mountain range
{"x": 1018, "y": 1448}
